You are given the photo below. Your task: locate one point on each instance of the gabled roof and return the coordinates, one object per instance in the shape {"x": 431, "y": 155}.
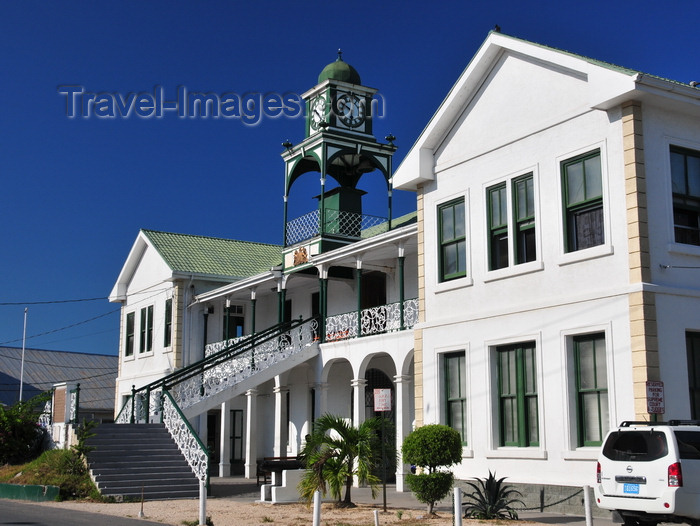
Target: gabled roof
{"x": 203, "y": 257}
{"x": 96, "y": 374}
{"x": 608, "y": 86}
{"x": 214, "y": 256}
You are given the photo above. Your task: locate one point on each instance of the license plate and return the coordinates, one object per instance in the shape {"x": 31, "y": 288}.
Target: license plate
{"x": 631, "y": 489}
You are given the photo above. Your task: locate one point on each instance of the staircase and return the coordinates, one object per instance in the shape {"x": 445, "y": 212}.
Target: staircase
{"x": 129, "y": 459}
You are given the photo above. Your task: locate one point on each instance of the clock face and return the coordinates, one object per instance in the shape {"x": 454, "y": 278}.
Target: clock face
{"x": 351, "y": 109}
{"x": 318, "y": 112}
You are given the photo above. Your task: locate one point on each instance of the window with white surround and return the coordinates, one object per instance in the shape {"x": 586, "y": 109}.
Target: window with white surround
{"x": 452, "y": 240}
{"x": 455, "y": 392}
{"x": 517, "y": 395}
{"x": 146, "y": 330}
{"x": 685, "y": 180}
{"x": 591, "y": 389}
{"x": 511, "y": 222}
{"x": 582, "y": 186}
{"x": 129, "y": 334}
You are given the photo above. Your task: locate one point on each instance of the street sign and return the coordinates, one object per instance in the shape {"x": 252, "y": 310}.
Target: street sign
{"x": 382, "y": 400}
{"x": 655, "y": 398}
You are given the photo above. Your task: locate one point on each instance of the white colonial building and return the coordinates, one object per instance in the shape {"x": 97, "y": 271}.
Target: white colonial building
{"x": 550, "y": 278}
{"x": 559, "y": 258}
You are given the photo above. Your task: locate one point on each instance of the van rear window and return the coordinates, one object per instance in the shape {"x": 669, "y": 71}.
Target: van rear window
{"x": 688, "y": 444}
{"x": 635, "y": 446}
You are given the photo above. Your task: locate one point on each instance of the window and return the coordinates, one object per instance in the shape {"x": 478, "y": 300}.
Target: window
{"x": 685, "y": 179}
{"x": 498, "y": 227}
{"x": 146, "y": 330}
{"x": 233, "y": 322}
{"x": 455, "y": 393}
{"x": 168, "y": 334}
{"x": 583, "y": 202}
{"x": 129, "y": 336}
{"x": 591, "y": 389}
{"x": 517, "y": 393}
{"x": 524, "y": 210}
{"x": 452, "y": 240}
{"x": 692, "y": 345}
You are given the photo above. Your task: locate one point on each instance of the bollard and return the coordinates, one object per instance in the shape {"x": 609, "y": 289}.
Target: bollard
{"x": 317, "y": 508}
{"x": 376, "y": 517}
{"x": 458, "y": 507}
{"x": 587, "y": 505}
{"x": 202, "y": 503}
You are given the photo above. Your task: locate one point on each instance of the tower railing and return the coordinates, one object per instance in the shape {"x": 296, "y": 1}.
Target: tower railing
{"x": 337, "y": 223}
{"x": 375, "y": 320}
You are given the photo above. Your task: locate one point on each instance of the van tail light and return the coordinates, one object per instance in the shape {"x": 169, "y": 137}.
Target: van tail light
{"x": 675, "y": 476}
{"x": 597, "y": 474}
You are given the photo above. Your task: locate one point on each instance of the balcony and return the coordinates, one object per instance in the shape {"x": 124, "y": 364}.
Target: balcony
{"x": 346, "y": 225}
{"x": 375, "y": 320}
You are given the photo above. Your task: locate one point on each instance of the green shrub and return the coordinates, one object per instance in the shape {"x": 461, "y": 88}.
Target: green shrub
{"x": 431, "y": 447}
{"x": 491, "y": 499}
{"x": 21, "y": 436}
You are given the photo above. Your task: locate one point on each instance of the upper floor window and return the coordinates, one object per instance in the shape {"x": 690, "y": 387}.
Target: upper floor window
{"x": 685, "y": 179}
{"x": 146, "y": 330}
{"x": 168, "y": 334}
{"x": 692, "y": 344}
{"x": 511, "y": 206}
{"x": 452, "y": 240}
{"x": 582, "y": 183}
{"x": 517, "y": 392}
{"x": 498, "y": 226}
{"x": 524, "y": 209}
{"x": 129, "y": 334}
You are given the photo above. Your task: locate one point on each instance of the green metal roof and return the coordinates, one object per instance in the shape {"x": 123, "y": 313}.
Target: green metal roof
{"x": 340, "y": 70}
{"x": 214, "y": 256}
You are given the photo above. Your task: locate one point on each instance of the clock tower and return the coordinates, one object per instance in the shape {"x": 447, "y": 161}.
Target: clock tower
{"x": 339, "y": 146}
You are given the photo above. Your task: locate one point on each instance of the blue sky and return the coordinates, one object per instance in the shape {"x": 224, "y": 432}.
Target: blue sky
{"x": 77, "y": 190}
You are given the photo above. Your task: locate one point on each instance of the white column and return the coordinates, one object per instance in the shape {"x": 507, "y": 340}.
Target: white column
{"x": 251, "y": 432}
{"x": 358, "y": 396}
{"x": 281, "y": 427}
{"x": 203, "y": 428}
{"x": 403, "y": 424}
{"x": 225, "y": 441}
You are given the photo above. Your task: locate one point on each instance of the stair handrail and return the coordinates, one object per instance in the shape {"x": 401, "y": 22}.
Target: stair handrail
{"x": 133, "y": 408}
{"x": 187, "y": 440}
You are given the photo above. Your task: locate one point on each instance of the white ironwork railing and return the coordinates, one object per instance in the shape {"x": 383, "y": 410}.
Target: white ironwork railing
{"x": 186, "y": 439}
{"x": 336, "y": 223}
{"x": 375, "y": 320}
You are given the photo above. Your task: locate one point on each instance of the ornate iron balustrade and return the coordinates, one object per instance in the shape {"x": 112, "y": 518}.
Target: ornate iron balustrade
{"x": 375, "y": 320}
{"x": 213, "y": 348}
{"x": 192, "y": 448}
{"x": 74, "y": 395}
{"x": 336, "y": 223}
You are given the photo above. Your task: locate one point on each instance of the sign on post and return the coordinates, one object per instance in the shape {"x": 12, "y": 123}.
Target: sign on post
{"x": 382, "y": 400}
{"x": 655, "y": 398}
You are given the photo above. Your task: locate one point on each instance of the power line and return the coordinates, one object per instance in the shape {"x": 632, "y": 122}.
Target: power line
{"x": 16, "y": 303}
{"x": 63, "y": 328}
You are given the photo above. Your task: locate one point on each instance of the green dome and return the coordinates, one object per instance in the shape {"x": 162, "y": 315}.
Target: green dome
{"x": 340, "y": 70}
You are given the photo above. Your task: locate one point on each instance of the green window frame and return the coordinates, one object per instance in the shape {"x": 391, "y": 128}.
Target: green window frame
{"x": 498, "y": 226}
{"x": 146, "y": 330}
{"x": 517, "y": 395}
{"x": 129, "y": 334}
{"x": 692, "y": 345}
{"x": 455, "y": 379}
{"x": 524, "y": 223}
{"x": 452, "y": 240}
{"x": 591, "y": 389}
{"x": 168, "y": 326}
{"x": 685, "y": 181}
{"x": 582, "y": 184}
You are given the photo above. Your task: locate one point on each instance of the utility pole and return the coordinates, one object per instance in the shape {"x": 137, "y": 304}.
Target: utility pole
{"x": 24, "y": 339}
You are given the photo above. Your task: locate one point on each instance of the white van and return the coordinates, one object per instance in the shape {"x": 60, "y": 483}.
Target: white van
{"x": 649, "y": 472}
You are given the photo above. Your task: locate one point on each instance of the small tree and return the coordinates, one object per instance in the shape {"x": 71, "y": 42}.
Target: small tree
{"x": 20, "y": 433}
{"x": 335, "y": 452}
{"x": 432, "y": 447}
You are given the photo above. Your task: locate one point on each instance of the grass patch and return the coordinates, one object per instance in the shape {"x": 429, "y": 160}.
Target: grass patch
{"x": 58, "y": 467}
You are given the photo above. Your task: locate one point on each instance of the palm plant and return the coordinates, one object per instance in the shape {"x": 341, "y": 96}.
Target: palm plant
{"x": 335, "y": 452}
{"x": 491, "y": 499}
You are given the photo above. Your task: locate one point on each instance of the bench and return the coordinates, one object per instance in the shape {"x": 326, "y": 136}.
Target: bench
{"x": 267, "y": 465}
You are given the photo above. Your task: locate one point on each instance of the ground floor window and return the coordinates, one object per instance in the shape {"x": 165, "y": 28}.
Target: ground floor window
{"x": 517, "y": 395}
{"x": 692, "y": 344}
{"x": 455, "y": 378}
{"x": 591, "y": 389}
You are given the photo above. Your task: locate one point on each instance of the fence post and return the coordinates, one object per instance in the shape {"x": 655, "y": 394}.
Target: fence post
{"x": 77, "y": 404}
{"x": 458, "y": 506}
{"x": 133, "y": 403}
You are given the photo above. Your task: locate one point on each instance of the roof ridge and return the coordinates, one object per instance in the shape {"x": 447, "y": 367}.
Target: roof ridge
{"x": 147, "y": 230}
